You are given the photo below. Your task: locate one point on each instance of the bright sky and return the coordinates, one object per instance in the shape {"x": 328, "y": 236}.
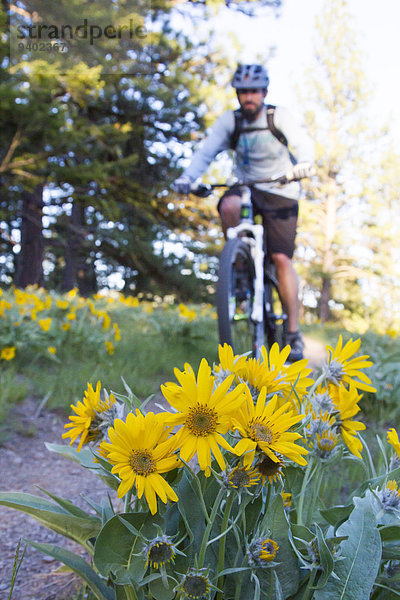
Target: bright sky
{"x": 376, "y": 21}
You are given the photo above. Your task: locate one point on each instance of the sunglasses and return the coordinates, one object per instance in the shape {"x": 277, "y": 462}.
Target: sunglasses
{"x": 250, "y": 91}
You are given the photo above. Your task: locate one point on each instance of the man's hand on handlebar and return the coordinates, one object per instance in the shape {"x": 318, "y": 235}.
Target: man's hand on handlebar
{"x": 299, "y": 171}
{"x": 182, "y": 185}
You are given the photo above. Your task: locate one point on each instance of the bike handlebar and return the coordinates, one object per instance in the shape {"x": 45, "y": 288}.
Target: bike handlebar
{"x": 205, "y": 189}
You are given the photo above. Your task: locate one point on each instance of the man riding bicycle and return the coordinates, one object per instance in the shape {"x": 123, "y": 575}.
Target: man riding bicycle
{"x": 261, "y": 137}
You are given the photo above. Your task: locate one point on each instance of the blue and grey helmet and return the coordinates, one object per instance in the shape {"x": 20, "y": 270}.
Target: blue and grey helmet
{"x": 250, "y": 77}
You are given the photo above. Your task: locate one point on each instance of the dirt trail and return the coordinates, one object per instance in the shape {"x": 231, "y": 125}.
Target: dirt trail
{"x": 315, "y": 351}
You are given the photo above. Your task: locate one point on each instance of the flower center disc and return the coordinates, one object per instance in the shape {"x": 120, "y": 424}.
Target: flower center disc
{"x": 141, "y": 462}
{"x": 195, "y": 586}
{"x": 261, "y": 433}
{"x": 202, "y": 420}
{"x": 161, "y": 553}
{"x": 334, "y": 371}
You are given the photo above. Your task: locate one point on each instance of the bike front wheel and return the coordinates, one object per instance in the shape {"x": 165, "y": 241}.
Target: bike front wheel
{"x": 235, "y": 299}
{"x": 275, "y": 316}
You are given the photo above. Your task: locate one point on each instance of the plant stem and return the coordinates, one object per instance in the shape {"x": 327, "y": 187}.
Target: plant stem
{"x": 199, "y": 490}
{"x": 317, "y": 479}
{"x": 310, "y": 584}
{"x": 316, "y": 383}
{"x": 303, "y": 492}
{"x": 127, "y": 501}
{"x": 210, "y": 523}
{"x": 221, "y": 553}
{"x": 239, "y": 584}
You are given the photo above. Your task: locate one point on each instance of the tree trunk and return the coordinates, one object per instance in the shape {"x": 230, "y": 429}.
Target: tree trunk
{"x": 78, "y": 271}
{"x": 324, "y": 310}
{"x": 328, "y": 258}
{"x": 29, "y": 262}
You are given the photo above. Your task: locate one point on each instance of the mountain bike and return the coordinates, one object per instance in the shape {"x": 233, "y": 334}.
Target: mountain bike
{"x": 249, "y": 307}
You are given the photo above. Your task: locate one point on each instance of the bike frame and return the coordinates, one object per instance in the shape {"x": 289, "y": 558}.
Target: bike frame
{"x": 256, "y": 244}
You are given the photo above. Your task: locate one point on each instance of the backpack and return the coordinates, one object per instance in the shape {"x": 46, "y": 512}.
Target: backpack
{"x": 238, "y": 130}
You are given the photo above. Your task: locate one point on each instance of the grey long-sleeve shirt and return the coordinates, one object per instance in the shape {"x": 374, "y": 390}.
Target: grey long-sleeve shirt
{"x": 258, "y": 154}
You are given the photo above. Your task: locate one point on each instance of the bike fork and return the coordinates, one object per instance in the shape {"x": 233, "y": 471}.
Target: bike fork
{"x": 257, "y": 315}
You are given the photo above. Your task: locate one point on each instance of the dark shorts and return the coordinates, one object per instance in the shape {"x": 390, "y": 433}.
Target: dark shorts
{"x": 279, "y": 215}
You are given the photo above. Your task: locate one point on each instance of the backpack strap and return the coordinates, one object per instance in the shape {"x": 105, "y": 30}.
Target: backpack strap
{"x": 271, "y": 125}
{"x": 239, "y": 129}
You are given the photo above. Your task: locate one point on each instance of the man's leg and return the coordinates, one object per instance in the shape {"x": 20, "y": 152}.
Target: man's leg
{"x": 289, "y": 291}
{"x": 288, "y": 288}
{"x": 229, "y": 209}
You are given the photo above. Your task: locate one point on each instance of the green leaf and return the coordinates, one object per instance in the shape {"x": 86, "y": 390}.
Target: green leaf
{"x": 191, "y": 513}
{"x": 275, "y": 521}
{"x": 53, "y": 516}
{"x": 84, "y": 457}
{"x": 302, "y": 533}
{"x": 116, "y": 546}
{"x": 253, "y": 512}
{"x": 336, "y": 514}
{"x": 360, "y": 559}
{"x": 67, "y": 505}
{"x": 390, "y": 533}
{"x": 159, "y": 592}
{"x": 326, "y": 558}
{"x": 79, "y": 566}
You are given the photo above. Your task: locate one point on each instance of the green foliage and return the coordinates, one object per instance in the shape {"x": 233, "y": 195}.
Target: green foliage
{"x": 215, "y": 534}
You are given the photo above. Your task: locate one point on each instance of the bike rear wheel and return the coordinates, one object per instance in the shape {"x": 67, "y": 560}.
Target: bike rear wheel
{"x": 275, "y": 316}
{"x": 235, "y": 299}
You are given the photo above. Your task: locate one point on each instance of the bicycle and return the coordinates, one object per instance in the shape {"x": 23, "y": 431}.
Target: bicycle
{"x": 249, "y": 307}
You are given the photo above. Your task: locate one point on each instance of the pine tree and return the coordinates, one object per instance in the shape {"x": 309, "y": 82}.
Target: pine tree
{"x": 336, "y": 98}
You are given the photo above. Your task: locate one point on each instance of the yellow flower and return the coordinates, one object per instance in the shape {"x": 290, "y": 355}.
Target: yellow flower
{"x": 159, "y": 551}
{"x": 84, "y": 422}
{"x": 275, "y": 375}
{"x": 241, "y": 477}
{"x": 230, "y": 363}
{"x": 186, "y": 313}
{"x": 66, "y": 326}
{"x": 391, "y": 332}
{"x": 393, "y": 439}
{"x": 287, "y": 499}
{"x": 269, "y": 469}
{"x": 39, "y": 304}
{"x": 392, "y": 485}
{"x": 109, "y": 347}
{"x": 45, "y": 323}
{"x": 62, "y": 304}
{"x": 341, "y": 368}
{"x": 71, "y": 316}
{"x": 34, "y": 316}
{"x": 265, "y": 427}
{"x": 140, "y": 451}
{"x": 261, "y": 550}
{"x": 117, "y": 332}
{"x": 106, "y": 319}
{"x": 346, "y": 402}
{"x": 289, "y": 374}
{"x": 7, "y": 353}
{"x": 269, "y": 550}
{"x": 72, "y": 293}
{"x": 52, "y": 349}
{"x": 204, "y": 413}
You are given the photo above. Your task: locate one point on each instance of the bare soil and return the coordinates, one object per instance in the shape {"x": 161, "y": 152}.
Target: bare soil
{"x": 25, "y": 463}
